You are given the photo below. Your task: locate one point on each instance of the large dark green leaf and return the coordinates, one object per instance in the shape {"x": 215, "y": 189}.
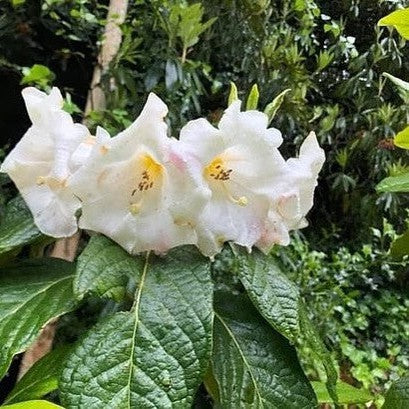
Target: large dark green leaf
{"x": 398, "y": 395}
{"x": 41, "y": 379}
{"x": 274, "y": 295}
{"x": 154, "y": 355}
{"x": 104, "y": 269}
{"x": 31, "y": 293}
{"x": 278, "y": 300}
{"x": 254, "y": 366}
{"x": 17, "y": 227}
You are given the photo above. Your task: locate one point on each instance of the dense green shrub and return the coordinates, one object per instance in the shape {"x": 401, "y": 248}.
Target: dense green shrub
{"x": 359, "y": 304}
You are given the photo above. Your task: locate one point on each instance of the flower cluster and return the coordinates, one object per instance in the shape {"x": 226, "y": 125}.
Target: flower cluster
{"x": 148, "y": 191}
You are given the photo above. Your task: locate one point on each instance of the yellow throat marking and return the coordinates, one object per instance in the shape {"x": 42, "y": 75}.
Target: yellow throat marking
{"x": 217, "y": 171}
{"x": 152, "y": 172}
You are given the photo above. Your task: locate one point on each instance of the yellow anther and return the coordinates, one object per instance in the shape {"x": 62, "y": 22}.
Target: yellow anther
{"x": 135, "y": 208}
{"x": 242, "y": 201}
{"x": 41, "y": 180}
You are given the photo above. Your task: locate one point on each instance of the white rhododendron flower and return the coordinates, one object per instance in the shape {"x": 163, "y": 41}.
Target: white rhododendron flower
{"x": 293, "y": 200}
{"x": 40, "y": 165}
{"x": 132, "y": 187}
{"x": 241, "y": 166}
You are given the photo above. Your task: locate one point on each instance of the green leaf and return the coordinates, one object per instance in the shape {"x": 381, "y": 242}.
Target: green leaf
{"x": 394, "y": 184}
{"x": 190, "y": 24}
{"x": 254, "y": 366}
{"x": 400, "y": 247}
{"x": 156, "y": 354}
{"x": 17, "y": 227}
{"x": 272, "y": 108}
{"x": 16, "y": 3}
{"x": 324, "y": 58}
{"x": 278, "y": 300}
{"x": 397, "y": 396}
{"x": 38, "y": 74}
{"x": 104, "y": 269}
{"x": 41, "y": 378}
{"x": 347, "y": 394}
{"x": 33, "y": 404}
{"x": 31, "y": 293}
{"x": 252, "y": 100}
{"x": 233, "y": 95}
{"x": 310, "y": 337}
{"x": 274, "y": 295}
{"x": 398, "y": 19}
{"x": 402, "y": 139}
{"x": 397, "y": 81}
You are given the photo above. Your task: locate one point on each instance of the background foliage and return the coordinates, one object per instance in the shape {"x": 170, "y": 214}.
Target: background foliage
{"x": 331, "y": 56}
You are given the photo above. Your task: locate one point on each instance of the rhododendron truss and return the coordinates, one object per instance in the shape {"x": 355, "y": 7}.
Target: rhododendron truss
{"x": 148, "y": 191}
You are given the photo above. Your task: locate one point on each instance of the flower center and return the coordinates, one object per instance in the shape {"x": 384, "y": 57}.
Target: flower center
{"x": 218, "y": 170}
{"x": 148, "y": 178}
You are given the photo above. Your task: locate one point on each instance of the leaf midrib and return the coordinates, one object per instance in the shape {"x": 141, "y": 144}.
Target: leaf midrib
{"x": 135, "y": 329}
{"x": 246, "y": 364}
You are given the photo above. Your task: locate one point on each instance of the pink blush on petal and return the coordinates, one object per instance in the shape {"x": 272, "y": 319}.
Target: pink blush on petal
{"x": 177, "y": 161}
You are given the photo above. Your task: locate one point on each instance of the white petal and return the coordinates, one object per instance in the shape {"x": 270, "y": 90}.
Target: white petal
{"x": 250, "y": 126}
{"x": 34, "y": 146}
{"x": 39, "y": 104}
{"x": 222, "y": 221}
{"x": 202, "y": 139}
{"x": 149, "y": 128}
{"x": 55, "y": 216}
{"x": 305, "y": 169}
{"x": 311, "y": 156}
{"x": 188, "y": 190}
{"x": 86, "y": 147}
{"x": 274, "y": 232}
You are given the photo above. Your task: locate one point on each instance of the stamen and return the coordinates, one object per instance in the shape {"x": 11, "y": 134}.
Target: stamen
{"x": 135, "y": 208}
{"x": 241, "y": 201}
{"x": 152, "y": 171}
{"x": 151, "y": 174}
{"x": 41, "y": 180}
{"x": 217, "y": 171}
